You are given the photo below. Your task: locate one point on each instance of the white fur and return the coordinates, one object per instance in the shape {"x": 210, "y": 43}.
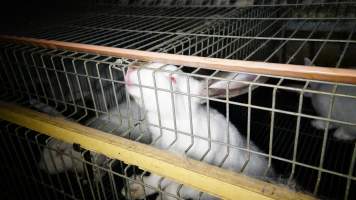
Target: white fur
{"x": 344, "y": 108}
{"x": 58, "y": 156}
{"x": 218, "y": 127}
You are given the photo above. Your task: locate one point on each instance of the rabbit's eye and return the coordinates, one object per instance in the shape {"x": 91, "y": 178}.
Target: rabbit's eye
{"x": 173, "y": 79}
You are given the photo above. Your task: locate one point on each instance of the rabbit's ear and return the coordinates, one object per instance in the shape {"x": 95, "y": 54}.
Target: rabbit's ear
{"x": 218, "y": 88}
{"x": 313, "y": 85}
{"x": 307, "y": 62}
{"x": 138, "y": 64}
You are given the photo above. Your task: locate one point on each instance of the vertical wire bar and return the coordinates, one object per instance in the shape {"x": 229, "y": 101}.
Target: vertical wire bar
{"x": 69, "y": 182}
{"x": 2, "y": 68}
{"x": 88, "y": 177}
{"x": 112, "y": 180}
{"x": 157, "y": 105}
{"x": 65, "y": 171}
{"x": 191, "y": 123}
{"x": 48, "y": 80}
{"x": 143, "y": 102}
{"x": 55, "y": 166}
{"x": 11, "y": 68}
{"x": 249, "y": 124}
{"x": 227, "y": 101}
{"x": 11, "y": 180}
{"x": 351, "y": 169}
{"x": 8, "y": 190}
{"x": 28, "y": 69}
{"x": 28, "y": 164}
{"x": 79, "y": 182}
{"x": 46, "y": 167}
{"x": 144, "y": 188}
{"x": 297, "y": 132}
{"x": 111, "y": 67}
{"x": 28, "y": 142}
{"x": 159, "y": 116}
{"x": 16, "y": 157}
{"x": 39, "y": 78}
{"x": 127, "y": 182}
{"x": 191, "y": 126}
{"x": 249, "y": 102}
{"x": 90, "y": 88}
{"x": 270, "y": 145}
{"x": 173, "y": 112}
{"x": 353, "y": 157}
{"x": 326, "y": 133}
{"x": 102, "y": 171}
{"x": 22, "y": 75}
{"x": 208, "y": 117}
{"x": 101, "y": 87}
{"x": 79, "y": 87}
{"x": 58, "y": 82}
{"x": 96, "y": 182}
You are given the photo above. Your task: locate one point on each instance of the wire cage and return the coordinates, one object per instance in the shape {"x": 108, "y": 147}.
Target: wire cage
{"x": 300, "y": 129}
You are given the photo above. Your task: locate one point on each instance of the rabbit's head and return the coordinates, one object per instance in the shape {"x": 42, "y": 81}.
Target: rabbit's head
{"x": 148, "y": 81}
{"x": 154, "y": 83}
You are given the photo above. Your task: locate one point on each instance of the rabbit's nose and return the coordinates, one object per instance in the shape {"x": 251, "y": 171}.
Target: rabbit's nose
{"x": 127, "y": 77}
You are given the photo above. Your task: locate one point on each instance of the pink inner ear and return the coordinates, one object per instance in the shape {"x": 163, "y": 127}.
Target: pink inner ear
{"x": 173, "y": 79}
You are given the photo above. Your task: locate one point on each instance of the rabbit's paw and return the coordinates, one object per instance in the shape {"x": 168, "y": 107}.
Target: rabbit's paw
{"x": 136, "y": 191}
{"x": 341, "y": 134}
{"x": 319, "y": 124}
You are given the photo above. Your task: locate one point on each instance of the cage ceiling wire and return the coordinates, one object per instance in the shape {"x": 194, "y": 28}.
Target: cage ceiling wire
{"x": 218, "y": 32}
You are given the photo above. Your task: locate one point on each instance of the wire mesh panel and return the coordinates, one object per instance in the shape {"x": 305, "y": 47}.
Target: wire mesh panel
{"x": 289, "y": 131}
{"x": 285, "y": 132}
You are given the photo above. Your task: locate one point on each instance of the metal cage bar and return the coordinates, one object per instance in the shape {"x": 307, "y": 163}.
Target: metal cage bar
{"x": 275, "y": 69}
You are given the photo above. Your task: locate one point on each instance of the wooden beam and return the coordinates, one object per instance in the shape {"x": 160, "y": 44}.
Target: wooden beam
{"x": 275, "y": 69}
{"x": 208, "y": 178}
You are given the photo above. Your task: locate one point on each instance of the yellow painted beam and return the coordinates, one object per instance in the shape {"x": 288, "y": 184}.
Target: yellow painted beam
{"x": 216, "y": 181}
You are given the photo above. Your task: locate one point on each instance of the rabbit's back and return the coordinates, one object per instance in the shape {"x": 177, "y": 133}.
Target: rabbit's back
{"x": 344, "y": 108}
{"x": 124, "y": 120}
{"x": 208, "y": 140}
{"x": 59, "y": 156}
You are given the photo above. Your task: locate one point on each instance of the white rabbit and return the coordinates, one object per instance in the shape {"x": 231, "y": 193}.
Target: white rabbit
{"x": 59, "y": 156}
{"x": 195, "y": 143}
{"x": 344, "y": 108}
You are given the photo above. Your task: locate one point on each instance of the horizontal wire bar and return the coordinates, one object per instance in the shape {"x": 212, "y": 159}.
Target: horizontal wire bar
{"x": 308, "y": 72}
